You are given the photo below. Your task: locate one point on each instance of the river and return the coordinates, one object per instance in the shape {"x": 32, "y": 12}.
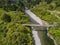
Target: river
{"x": 40, "y": 36}
{"x": 45, "y": 40}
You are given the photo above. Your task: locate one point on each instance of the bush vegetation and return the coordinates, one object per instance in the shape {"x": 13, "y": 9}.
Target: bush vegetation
{"x": 12, "y": 17}
{"x": 12, "y": 32}
{"x": 41, "y": 11}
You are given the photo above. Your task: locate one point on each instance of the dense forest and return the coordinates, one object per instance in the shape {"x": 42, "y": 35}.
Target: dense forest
{"x": 12, "y": 16}
{"x": 12, "y": 32}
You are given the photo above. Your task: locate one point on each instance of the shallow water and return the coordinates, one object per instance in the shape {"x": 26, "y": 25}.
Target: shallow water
{"x": 45, "y": 40}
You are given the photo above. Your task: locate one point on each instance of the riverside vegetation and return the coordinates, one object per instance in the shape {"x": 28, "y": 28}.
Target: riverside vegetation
{"x": 12, "y": 32}
{"x": 41, "y": 10}
{"x": 12, "y": 17}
